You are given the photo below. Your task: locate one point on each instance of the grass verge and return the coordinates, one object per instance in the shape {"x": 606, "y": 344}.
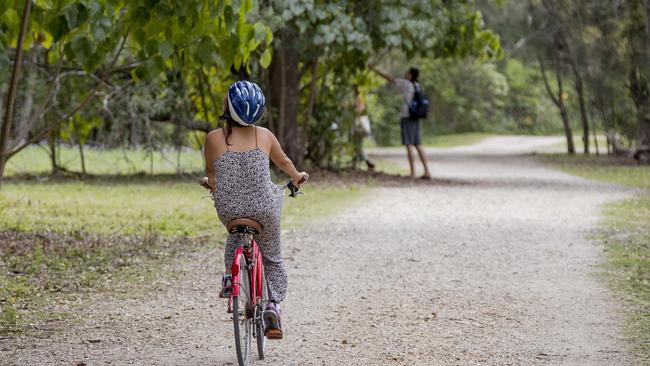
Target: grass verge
{"x": 450, "y": 140}
{"x": 35, "y": 159}
{"x": 625, "y": 233}
{"x": 62, "y": 238}
{"x": 453, "y": 140}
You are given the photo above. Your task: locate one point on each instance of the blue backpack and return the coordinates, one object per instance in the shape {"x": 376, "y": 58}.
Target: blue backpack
{"x": 419, "y": 107}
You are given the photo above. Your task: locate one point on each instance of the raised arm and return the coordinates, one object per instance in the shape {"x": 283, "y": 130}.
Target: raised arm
{"x": 384, "y": 75}
{"x": 209, "y": 151}
{"x": 282, "y": 161}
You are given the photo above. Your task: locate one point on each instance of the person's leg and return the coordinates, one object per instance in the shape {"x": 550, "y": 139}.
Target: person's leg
{"x": 417, "y": 142}
{"x": 364, "y": 156}
{"x": 406, "y": 141}
{"x": 409, "y": 153}
{"x": 275, "y": 271}
{"x": 423, "y": 158}
{"x": 276, "y": 277}
{"x": 232, "y": 243}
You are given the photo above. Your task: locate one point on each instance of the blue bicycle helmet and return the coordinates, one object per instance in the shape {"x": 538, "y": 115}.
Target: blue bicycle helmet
{"x": 246, "y": 102}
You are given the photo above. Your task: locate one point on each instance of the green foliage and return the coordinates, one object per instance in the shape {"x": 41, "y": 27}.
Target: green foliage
{"x": 181, "y": 53}
{"x": 89, "y": 31}
{"x": 606, "y": 45}
{"x": 470, "y": 95}
{"x": 152, "y": 41}
{"x": 344, "y": 35}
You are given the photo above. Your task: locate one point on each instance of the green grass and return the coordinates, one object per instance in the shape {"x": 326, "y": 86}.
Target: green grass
{"x": 36, "y": 160}
{"x": 625, "y": 233}
{"x": 390, "y": 167}
{"x": 604, "y": 169}
{"x": 77, "y": 235}
{"x": 453, "y": 140}
{"x": 450, "y": 140}
{"x": 167, "y": 208}
{"x": 579, "y": 145}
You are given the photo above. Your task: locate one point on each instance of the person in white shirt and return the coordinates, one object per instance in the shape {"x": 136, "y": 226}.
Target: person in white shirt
{"x": 410, "y": 127}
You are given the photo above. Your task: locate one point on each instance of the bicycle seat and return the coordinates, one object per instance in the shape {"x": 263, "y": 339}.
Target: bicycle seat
{"x": 244, "y": 225}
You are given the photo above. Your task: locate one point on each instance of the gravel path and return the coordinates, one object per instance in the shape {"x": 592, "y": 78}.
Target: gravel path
{"x": 490, "y": 266}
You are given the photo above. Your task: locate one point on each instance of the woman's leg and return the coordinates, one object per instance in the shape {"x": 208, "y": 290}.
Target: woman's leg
{"x": 232, "y": 243}
{"x": 276, "y": 274}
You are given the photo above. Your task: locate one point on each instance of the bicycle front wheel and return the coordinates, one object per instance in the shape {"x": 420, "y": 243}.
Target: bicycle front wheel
{"x": 243, "y": 319}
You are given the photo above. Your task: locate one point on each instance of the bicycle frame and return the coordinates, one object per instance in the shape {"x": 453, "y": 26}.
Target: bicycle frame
{"x": 254, "y": 256}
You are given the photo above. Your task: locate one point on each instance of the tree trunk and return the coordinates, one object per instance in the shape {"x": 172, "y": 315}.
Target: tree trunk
{"x": 204, "y": 104}
{"x": 581, "y": 103}
{"x": 640, "y": 92}
{"x": 558, "y": 100}
{"x": 643, "y": 108}
{"x": 11, "y": 92}
{"x": 593, "y": 128}
{"x": 53, "y": 153}
{"x": 22, "y": 121}
{"x": 82, "y": 156}
{"x": 285, "y": 89}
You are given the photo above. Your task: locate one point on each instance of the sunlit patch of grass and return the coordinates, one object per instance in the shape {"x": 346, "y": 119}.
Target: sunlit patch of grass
{"x": 604, "y": 168}
{"x": 36, "y": 160}
{"x": 579, "y": 145}
{"x": 452, "y": 140}
{"x": 63, "y": 237}
{"x": 448, "y": 140}
{"x": 163, "y": 208}
{"x": 389, "y": 166}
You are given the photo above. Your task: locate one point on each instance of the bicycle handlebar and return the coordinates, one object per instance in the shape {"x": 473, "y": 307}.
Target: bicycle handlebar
{"x": 293, "y": 190}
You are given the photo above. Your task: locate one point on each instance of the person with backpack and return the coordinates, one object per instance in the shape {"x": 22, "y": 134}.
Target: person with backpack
{"x": 414, "y": 107}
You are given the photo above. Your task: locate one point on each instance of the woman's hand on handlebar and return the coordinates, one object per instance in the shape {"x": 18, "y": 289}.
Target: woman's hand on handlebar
{"x": 204, "y": 182}
{"x": 299, "y": 179}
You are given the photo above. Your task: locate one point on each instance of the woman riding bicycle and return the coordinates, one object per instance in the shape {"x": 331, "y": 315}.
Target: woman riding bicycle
{"x": 237, "y": 164}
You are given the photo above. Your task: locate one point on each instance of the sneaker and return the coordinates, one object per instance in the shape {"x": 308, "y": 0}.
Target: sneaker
{"x": 273, "y": 321}
{"x": 226, "y": 286}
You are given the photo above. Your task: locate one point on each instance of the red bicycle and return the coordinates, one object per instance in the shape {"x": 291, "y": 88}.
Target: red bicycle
{"x": 249, "y": 294}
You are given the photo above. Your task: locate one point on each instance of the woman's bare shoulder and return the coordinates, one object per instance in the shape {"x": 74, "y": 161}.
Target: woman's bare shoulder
{"x": 215, "y": 131}
{"x": 265, "y": 132}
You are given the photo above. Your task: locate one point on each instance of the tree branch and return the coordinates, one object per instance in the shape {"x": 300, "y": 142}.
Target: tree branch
{"x": 549, "y": 91}
{"x": 84, "y": 101}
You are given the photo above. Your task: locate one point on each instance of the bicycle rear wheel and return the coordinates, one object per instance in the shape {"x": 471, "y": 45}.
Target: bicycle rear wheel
{"x": 242, "y": 315}
{"x": 259, "y": 318}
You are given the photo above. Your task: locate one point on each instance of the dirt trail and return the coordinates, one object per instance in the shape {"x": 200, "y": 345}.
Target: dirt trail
{"x": 492, "y": 267}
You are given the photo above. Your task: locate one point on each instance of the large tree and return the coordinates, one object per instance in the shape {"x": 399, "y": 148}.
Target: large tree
{"x": 114, "y": 44}
{"x": 331, "y": 41}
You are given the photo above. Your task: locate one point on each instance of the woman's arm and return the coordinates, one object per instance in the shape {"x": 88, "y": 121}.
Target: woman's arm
{"x": 209, "y": 153}
{"x": 389, "y": 78}
{"x": 282, "y": 161}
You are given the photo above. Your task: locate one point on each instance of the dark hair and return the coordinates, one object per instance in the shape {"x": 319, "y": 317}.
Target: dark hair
{"x": 414, "y": 73}
{"x": 228, "y": 121}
